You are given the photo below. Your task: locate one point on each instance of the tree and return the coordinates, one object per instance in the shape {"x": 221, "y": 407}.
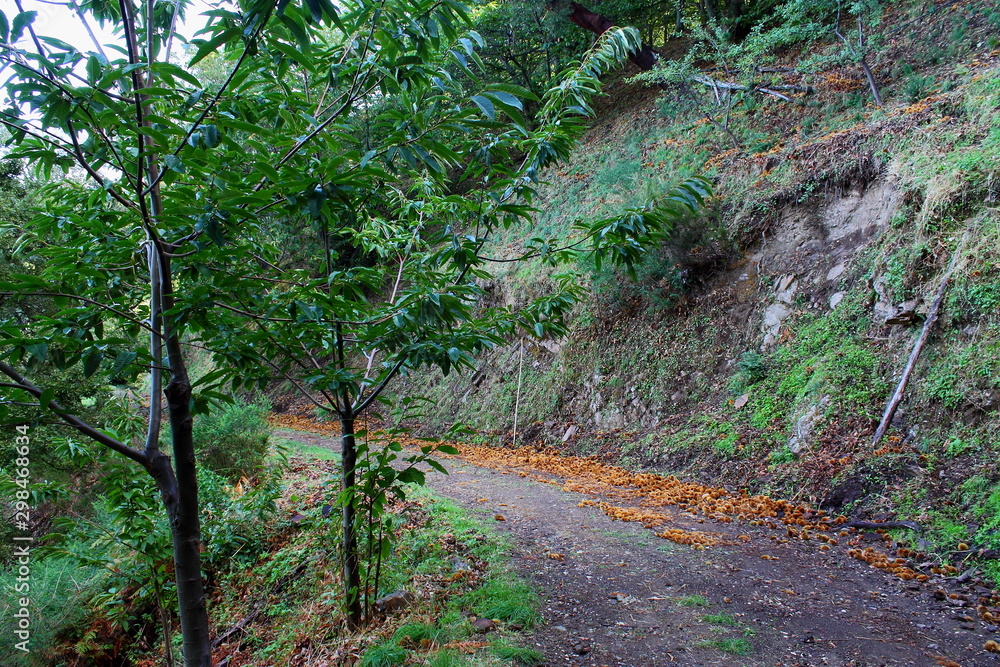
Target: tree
{"x": 162, "y": 237}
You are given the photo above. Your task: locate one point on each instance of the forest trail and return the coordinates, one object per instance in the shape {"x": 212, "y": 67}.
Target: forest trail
{"x": 617, "y": 594}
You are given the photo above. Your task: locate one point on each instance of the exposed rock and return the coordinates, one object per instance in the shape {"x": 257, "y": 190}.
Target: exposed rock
{"x": 394, "y": 601}
{"x": 483, "y": 625}
{"x": 570, "y": 432}
{"x": 774, "y": 314}
{"x": 905, "y": 313}
{"x": 836, "y": 271}
{"x": 835, "y": 299}
{"x": 773, "y": 317}
{"x": 806, "y": 424}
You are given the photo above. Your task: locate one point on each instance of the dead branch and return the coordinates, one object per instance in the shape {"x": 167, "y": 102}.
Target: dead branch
{"x": 716, "y": 85}
{"x": 932, "y": 315}
{"x": 862, "y": 59}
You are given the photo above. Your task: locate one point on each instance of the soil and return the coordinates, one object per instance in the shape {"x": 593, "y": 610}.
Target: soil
{"x": 616, "y": 594}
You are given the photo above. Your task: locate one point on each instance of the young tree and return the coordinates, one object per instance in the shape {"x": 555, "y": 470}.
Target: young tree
{"x": 358, "y": 119}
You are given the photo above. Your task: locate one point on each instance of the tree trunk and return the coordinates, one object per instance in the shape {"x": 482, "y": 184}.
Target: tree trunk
{"x": 644, "y": 58}
{"x": 352, "y": 573}
{"x": 179, "y": 488}
{"x": 181, "y": 502}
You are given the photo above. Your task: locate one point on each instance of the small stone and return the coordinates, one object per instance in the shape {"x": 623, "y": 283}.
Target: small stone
{"x": 483, "y": 625}
{"x": 394, "y": 601}
{"x": 835, "y": 272}
{"x": 836, "y": 299}
{"x": 560, "y": 628}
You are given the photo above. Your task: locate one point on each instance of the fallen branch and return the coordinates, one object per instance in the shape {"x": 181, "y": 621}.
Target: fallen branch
{"x": 260, "y": 605}
{"x": 932, "y": 315}
{"x": 715, "y": 85}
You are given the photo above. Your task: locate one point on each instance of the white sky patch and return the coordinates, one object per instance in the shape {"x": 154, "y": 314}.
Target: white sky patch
{"x": 62, "y": 22}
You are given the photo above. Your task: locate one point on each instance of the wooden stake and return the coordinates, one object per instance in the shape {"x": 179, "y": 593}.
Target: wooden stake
{"x": 517, "y": 396}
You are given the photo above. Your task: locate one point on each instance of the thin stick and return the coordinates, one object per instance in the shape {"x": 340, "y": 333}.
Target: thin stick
{"x": 517, "y": 396}
{"x": 932, "y": 314}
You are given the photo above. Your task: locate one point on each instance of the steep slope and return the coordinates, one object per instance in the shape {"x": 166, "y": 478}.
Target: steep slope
{"x": 758, "y": 348}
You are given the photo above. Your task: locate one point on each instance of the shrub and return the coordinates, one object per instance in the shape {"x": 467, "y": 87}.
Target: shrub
{"x": 235, "y": 521}
{"x": 232, "y": 439}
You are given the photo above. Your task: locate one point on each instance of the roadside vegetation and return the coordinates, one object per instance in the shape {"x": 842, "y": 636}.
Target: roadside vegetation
{"x": 673, "y": 370}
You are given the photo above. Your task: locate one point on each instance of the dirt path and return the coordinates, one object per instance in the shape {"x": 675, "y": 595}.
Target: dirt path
{"x": 617, "y": 595}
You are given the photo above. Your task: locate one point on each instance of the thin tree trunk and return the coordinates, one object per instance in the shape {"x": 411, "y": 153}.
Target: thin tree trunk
{"x": 932, "y": 315}
{"x": 179, "y": 488}
{"x": 352, "y": 571}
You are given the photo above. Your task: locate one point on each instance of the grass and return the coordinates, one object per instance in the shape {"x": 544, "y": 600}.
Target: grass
{"x": 720, "y": 619}
{"x": 520, "y": 655}
{"x": 59, "y": 591}
{"x": 505, "y": 598}
{"x": 310, "y": 451}
{"x": 383, "y": 655}
{"x": 731, "y": 645}
{"x": 693, "y": 601}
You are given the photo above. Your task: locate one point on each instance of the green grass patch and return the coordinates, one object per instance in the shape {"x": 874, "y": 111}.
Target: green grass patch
{"x": 520, "y": 655}
{"x": 693, "y": 601}
{"x": 720, "y": 619}
{"x": 506, "y": 599}
{"x": 383, "y": 655}
{"x": 310, "y": 451}
{"x": 731, "y": 645}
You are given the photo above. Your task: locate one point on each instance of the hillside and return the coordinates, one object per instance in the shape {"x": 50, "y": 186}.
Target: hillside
{"x": 758, "y": 348}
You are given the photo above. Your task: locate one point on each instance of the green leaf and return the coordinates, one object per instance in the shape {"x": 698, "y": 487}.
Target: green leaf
{"x": 210, "y": 135}
{"x": 485, "y": 106}
{"x": 93, "y": 70}
{"x": 47, "y": 396}
{"x": 4, "y": 28}
{"x": 505, "y": 98}
{"x": 38, "y": 350}
{"x": 174, "y": 163}
{"x": 21, "y": 21}
{"x": 91, "y": 362}
{"x": 212, "y": 45}
{"x": 437, "y": 466}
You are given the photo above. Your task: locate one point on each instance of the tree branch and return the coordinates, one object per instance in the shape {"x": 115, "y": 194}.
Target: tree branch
{"x": 74, "y": 421}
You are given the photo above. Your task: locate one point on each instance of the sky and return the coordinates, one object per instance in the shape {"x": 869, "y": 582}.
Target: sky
{"x": 60, "y": 21}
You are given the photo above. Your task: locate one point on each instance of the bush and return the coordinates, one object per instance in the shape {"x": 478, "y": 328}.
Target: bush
{"x": 235, "y": 521}
{"x": 232, "y": 440}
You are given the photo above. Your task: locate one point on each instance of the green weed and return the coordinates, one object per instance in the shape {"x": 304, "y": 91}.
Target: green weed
{"x": 519, "y": 655}
{"x": 720, "y": 619}
{"x": 731, "y": 645}
{"x": 506, "y": 599}
{"x": 383, "y": 655}
{"x": 693, "y": 601}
